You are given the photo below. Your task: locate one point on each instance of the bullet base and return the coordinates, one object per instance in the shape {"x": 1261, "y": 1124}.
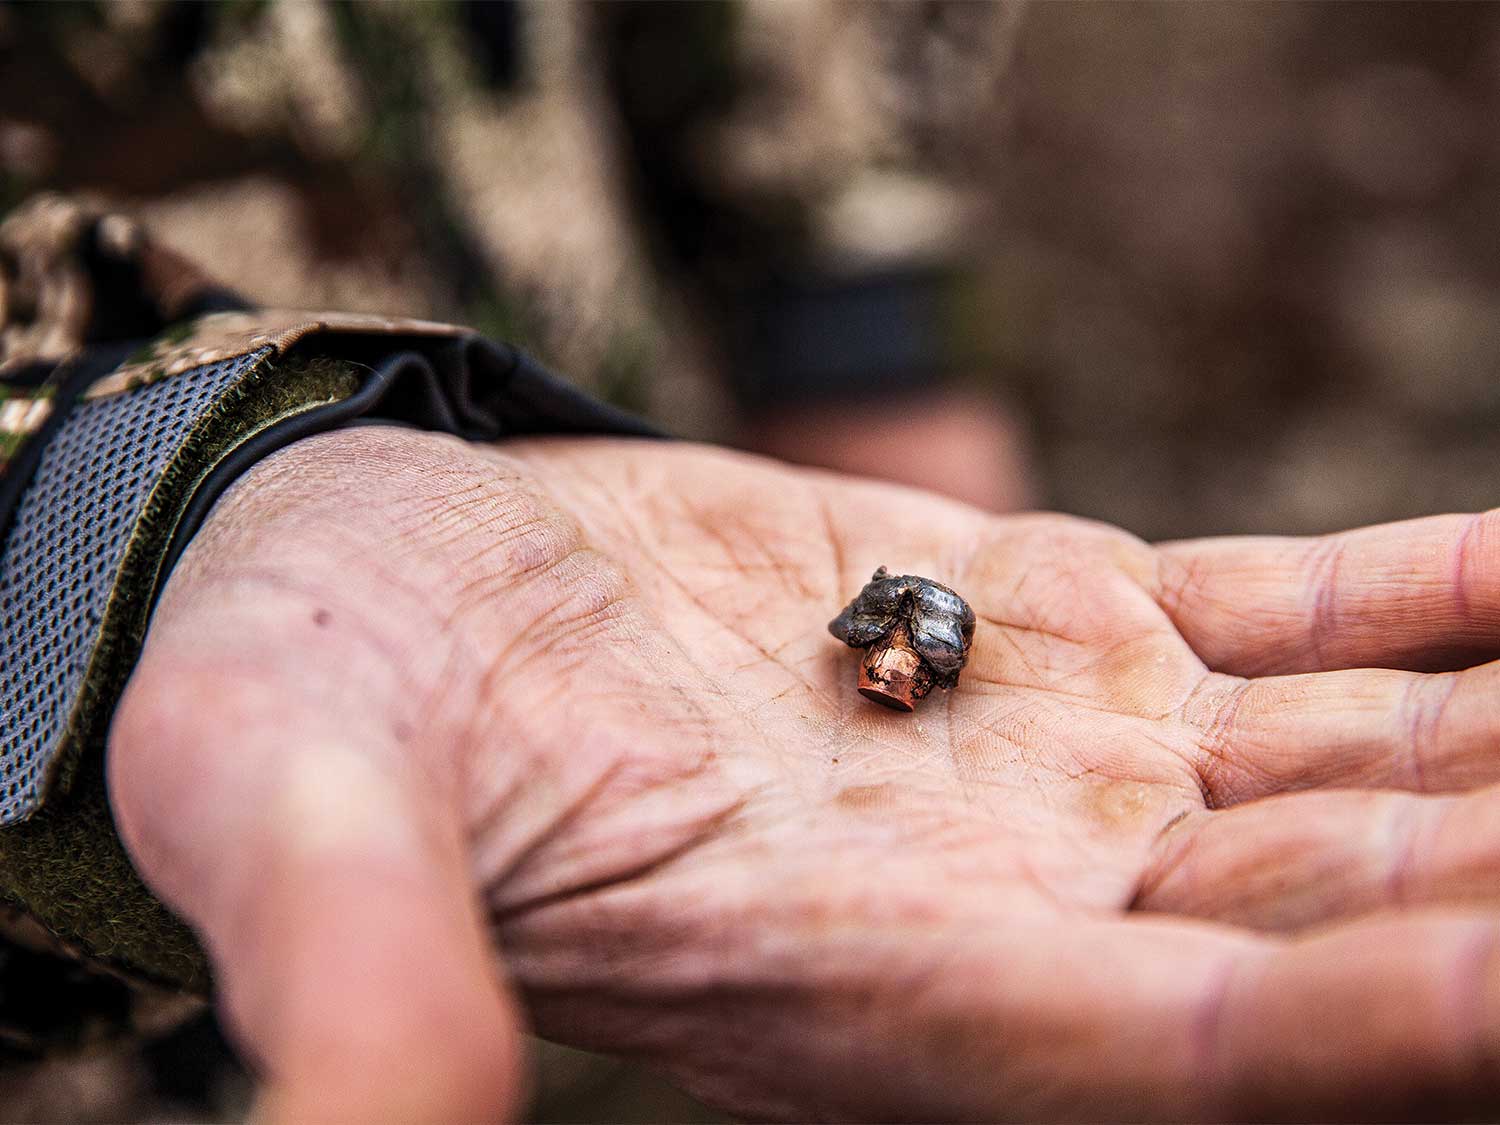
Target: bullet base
{"x": 893, "y": 675}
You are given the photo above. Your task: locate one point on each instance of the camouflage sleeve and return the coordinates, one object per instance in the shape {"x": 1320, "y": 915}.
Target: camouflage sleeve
{"x": 132, "y": 391}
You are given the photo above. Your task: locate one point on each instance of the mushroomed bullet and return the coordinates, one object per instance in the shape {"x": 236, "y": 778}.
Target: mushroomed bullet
{"x": 916, "y": 635}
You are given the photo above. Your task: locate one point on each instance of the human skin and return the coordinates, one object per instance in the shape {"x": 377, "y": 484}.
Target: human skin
{"x": 972, "y": 446}
{"x": 433, "y": 741}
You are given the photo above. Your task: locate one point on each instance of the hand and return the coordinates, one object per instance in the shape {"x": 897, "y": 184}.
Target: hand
{"x": 1175, "y": 846}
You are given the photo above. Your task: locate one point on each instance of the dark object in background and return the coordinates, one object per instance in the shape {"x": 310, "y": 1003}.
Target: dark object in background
{"x": 822, "y": 338}
{"x": 193, "y": 1066}
{"x": 46, "y": 1002}
{"x": 916, "y": 635}
{"x": 495, "y": 40}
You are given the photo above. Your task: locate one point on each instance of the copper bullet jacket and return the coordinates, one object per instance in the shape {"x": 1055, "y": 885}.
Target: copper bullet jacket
{"x": 892, "y": 673}
{"x": 916, "y": 634}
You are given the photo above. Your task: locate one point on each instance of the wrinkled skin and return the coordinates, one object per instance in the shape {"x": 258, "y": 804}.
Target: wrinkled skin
{"x": 938, "y": 621}
{"x": 1184, "y": 841}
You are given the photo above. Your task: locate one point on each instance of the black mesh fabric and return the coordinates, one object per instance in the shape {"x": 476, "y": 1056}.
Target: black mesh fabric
{"x": 66, "y": 545}
{"x": 61, "y": 557}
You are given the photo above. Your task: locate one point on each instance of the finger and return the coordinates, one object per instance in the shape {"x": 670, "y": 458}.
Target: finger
{"x": 321, "y": 865}
{"x": 1307, "y": 859}
{"x": 1167, "y": 1019}
{"x": 1422, "y": 594}
{"x": 1368, "y": 728}
{"x": 1390, "y": 1018}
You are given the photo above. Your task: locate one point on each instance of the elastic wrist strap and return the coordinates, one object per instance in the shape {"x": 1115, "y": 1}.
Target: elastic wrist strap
{"x": 822, "y": 339}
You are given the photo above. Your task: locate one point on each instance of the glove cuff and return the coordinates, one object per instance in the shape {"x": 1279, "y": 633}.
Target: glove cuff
{"x": 100, "y": 499}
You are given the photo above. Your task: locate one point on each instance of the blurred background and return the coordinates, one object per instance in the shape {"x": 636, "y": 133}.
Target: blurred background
{"x": 1188, "y": 269}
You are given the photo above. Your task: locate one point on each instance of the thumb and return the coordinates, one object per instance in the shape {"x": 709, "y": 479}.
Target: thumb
{"x": 315, "y": 849}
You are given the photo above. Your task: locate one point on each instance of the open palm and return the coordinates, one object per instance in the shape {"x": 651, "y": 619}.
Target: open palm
{"x": 1184, "y": 841}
